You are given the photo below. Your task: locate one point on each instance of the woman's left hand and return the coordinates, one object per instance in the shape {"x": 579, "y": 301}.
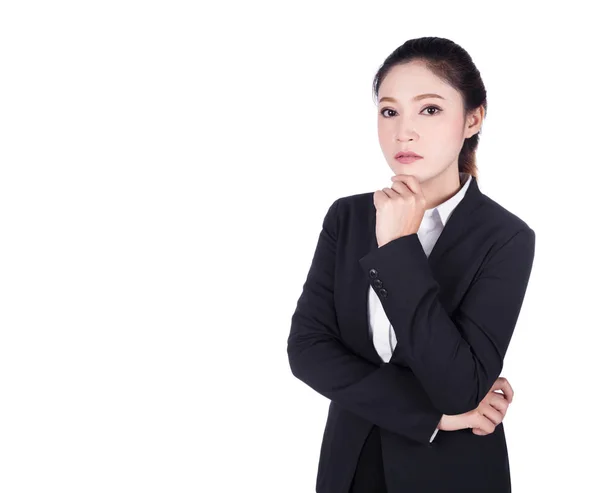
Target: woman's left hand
{"x": 495, "y": 405}
{"x": 487, "y": 415}
{"x": 400, "y": 209}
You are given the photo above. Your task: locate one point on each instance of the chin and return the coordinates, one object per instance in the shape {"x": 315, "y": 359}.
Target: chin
{"x": 407, "y": 169}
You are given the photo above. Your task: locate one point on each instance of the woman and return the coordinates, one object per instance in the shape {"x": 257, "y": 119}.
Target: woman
{"x": 413, "y": 295}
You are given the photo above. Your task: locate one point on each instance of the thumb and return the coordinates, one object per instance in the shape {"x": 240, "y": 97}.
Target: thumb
{"x": 503, "y": 385}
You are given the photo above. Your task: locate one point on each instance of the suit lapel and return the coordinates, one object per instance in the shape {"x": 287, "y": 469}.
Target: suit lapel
{"x": 440, "y": 260}
{"x": 455, "y": 226}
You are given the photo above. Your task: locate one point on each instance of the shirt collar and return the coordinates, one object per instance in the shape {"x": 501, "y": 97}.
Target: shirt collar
{"x": 445, "y": 209}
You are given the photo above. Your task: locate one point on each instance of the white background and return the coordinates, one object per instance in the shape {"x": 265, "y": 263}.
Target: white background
{"x": 164, "y": 171}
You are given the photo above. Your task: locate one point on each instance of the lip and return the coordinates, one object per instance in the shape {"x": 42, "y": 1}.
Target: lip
{"x": 407, "y": 159}
{"x": 402, "y": 154}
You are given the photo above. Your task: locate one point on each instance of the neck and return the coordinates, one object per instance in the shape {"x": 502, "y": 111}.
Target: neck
{"x": 441, "y": 187}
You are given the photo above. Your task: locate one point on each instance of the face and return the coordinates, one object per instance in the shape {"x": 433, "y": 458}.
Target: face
{"x": 430, "y": 126}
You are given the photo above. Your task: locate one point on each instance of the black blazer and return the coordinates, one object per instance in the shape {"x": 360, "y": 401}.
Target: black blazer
{"x": 453, "y": 313}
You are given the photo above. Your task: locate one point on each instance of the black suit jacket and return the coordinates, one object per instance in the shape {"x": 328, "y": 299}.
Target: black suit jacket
{"x": 453, "y": 313}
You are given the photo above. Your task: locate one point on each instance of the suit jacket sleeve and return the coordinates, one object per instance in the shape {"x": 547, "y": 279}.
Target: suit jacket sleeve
{"x": 457, "y": 359}
{"x": 387, "y": 395}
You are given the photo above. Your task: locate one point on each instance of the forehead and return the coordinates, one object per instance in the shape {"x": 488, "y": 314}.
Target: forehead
{"x": 405, "y": 81}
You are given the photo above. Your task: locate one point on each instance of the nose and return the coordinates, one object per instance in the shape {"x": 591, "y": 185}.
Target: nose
{"x": 404, "y": 130}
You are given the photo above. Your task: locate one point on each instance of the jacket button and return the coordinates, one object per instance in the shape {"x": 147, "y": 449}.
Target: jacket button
{"x": 383, "y": 292}
{"x": 377, "y": 283}
{"x": 373, "y": 273}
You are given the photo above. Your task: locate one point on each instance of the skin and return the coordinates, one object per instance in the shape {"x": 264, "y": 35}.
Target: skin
{"x": 437, "y": 135}
{"x": 434, "y": 128}
{"x": 485, "y": 417}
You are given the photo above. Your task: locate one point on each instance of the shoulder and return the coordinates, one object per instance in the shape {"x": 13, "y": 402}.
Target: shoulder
{"x": 502, "y": 217}
{"x": 357, "y": 201}
{"x": 487, "y": 216}
{"x": 356, "y": 206}
{"x": 500, "y": 229}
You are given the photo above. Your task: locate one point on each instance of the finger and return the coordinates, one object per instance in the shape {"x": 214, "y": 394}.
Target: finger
{"x": 509, "y": 392}
{"x": 506, "y": 389}
{"x": 389, "y": 192}
{"x": 401, "y": 177}
{"x": 411, "y": 182}
{"x": 492, "y": 414}
{"x": 401, "y": 189}
{"x": 479, "y": 431}
{"x": 379, "y": 197}
{"x": 484, "y": 423}
{"x": 376, "y": 194}
{"x": 497, "y": 385}
{"x": 502, "y": 384}
{"x": 497, "y": 401}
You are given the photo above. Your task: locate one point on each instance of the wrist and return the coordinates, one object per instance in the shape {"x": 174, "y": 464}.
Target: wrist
{"x": 450, "y": 422}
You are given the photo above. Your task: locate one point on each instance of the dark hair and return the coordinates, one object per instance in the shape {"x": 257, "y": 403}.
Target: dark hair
{"x": 453, "y": 65}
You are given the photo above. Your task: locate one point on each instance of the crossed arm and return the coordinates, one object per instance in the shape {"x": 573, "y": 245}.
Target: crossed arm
{"x": 406, "y": 401}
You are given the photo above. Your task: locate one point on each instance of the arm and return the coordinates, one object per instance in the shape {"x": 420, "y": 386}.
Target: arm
{"x": 387, "y": 395}
{"x": 456, "y": 359}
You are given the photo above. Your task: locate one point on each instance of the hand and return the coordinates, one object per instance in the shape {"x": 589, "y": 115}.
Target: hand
{"x": 490, "y": 412}
{"x": 400, "y": 209}
{"x": 492, "y": 409}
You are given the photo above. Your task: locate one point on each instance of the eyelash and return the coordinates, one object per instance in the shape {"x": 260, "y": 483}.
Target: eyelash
{"x": 439, "y": 110}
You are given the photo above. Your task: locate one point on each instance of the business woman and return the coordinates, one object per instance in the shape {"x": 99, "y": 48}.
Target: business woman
{"x": 413, "y": 295}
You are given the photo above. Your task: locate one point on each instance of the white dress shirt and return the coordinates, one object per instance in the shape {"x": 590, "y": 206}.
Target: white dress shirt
{"x": 381, "y": 331}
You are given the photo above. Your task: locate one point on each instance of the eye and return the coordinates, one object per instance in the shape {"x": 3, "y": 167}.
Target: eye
{"x": 382, "y": 112}
{"x": 434, "y": 108}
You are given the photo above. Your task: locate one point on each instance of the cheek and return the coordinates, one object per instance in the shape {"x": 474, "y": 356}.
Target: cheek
{"x": 386, "y": 129}
{"x": 449, "y": 132}
{"x": 383, "y": 134}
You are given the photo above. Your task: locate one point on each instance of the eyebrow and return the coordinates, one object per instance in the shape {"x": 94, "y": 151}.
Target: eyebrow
{"x": 416, "y": 98}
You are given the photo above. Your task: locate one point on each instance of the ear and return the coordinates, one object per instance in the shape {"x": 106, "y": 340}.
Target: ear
{"x": 474, "y": 121}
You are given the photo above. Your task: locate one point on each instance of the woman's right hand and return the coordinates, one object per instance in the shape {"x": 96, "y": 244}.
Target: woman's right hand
{"x": 490, "y": 412}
